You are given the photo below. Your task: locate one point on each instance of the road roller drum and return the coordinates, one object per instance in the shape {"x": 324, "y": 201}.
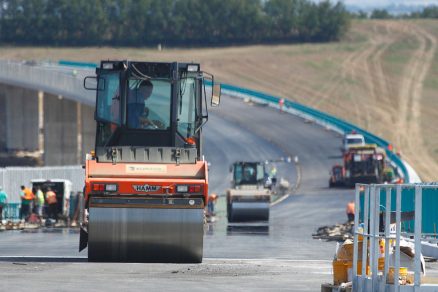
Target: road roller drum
{"x": 248, "y": 211}
{"x": 145, "y": 230}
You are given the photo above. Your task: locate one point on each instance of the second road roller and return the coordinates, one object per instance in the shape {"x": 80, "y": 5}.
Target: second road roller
{"x": 249, "y": 197}
{"x": 252, "y": 188}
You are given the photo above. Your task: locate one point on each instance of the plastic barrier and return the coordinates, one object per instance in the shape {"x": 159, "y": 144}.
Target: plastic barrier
{"x": 11, "y": 211}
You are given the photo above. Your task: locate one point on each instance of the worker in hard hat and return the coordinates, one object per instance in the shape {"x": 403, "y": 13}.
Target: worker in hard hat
{"x": 350, "y": 211}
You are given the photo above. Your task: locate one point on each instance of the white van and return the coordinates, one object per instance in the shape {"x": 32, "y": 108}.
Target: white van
{"x": 352, "y": 140}
{"x": 62, "y": 189}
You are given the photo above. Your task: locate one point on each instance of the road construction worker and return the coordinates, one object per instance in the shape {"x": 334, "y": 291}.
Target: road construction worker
{"x": 27, "y": 197}
{"x": 281, "y": 104}
{"x": 52, "y": 202}
{"x": 211, "y": 202}
{"x": 3, "y": 203}
{"x": 273, "y": 175}
{"x": 248, "y": 175}
{"x": 137, "y": 111}
{"x": 39, "y": 202}
{"x": 350, "y": 211}
{"x": 390, "y": 147}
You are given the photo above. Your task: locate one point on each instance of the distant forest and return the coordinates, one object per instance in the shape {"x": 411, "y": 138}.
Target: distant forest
{"x": 169, "y": 22}
{"x": 427, "y": 12}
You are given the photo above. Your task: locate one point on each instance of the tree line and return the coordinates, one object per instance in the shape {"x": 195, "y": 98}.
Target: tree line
{"x": 427, "y": 12}
{"x": 169, "y": 22}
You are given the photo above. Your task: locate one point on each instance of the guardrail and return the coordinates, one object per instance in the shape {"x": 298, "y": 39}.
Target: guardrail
{"x": 300, "y": 110}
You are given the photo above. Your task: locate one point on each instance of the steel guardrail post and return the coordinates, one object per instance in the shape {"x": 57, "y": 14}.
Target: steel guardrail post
{"x": 365, "y": 236}
{"x": 387, "y": 232}
{"x": 418, "y": 219}
{"x": 356, "y": 235}
{"x": 372, "y": 233}
{"x": 397, "y": 240}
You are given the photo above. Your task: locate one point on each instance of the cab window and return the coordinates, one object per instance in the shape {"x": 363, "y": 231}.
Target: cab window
{"x": 108, "y": 98}
{"x": 187, "y": 108}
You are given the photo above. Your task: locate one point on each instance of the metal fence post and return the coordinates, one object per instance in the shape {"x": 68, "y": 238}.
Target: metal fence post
{"x": 365, "y": 237}
{"x": 418, "y": 218}
{"x": 397, "y": 240}
{"x": 356, "y": 235}
{"x": 372, "y": 233}
{"x": 376, "y": 238}
{"x": 387, "y": 231}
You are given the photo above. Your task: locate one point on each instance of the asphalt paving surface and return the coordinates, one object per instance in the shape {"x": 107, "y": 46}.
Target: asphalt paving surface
{"x": 274, "y": 257}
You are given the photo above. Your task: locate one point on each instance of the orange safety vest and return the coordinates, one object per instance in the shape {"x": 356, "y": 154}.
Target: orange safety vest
{"x": 28, "y": 195}
{"x": 51, "y": 197}
{"x": 350, "y": 208}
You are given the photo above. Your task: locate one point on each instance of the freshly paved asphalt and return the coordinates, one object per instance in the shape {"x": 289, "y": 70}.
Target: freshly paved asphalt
{"x": 282, "y": 256}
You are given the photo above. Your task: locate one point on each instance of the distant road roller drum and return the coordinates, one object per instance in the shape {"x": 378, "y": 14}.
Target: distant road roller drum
{"x": 248, "y": 205}
{"x": 249, "y": 211}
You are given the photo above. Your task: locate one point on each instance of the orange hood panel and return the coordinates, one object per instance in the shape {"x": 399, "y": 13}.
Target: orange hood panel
{"x": 143, "y": 170}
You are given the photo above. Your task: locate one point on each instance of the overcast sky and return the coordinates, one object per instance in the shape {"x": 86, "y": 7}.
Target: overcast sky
{"x": 366, "y": 3}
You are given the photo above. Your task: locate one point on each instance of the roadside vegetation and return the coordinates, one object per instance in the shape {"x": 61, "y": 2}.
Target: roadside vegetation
{"x": 169, "y": 22}
{"x": 430, "y": 12}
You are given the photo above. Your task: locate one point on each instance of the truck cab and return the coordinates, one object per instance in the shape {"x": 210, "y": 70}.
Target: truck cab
{"x": 351, "y": 140}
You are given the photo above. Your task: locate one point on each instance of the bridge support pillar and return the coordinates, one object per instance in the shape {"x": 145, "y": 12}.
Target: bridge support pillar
{"x": 60, "y": 131}
{"x": 2, "y": 118}
{"x": 18, "y": 119}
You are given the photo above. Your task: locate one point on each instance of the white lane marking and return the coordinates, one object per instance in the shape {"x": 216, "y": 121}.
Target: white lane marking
{"x": 280, "y": 200}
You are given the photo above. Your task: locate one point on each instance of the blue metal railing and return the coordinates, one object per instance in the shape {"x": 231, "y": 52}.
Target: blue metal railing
{"x": 77, "y": 64}
{"x": 11, "y": 211}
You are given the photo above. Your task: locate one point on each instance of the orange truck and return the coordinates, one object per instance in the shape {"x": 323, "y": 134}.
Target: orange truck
{"x": 364, "y": 164}
{"x": 146, "y": 182}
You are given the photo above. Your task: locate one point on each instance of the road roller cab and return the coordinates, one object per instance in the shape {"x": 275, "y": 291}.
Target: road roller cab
{"x": 146, "y": 181}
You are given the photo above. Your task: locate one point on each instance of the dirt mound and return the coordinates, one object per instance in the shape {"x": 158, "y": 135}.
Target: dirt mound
{"x": 338, "y": 232}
